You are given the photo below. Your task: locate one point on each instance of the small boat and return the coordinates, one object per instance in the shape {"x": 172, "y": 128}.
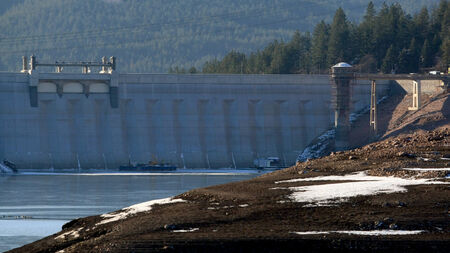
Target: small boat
{"x": 150, "y": 166}
{"x": 272, "y": 163}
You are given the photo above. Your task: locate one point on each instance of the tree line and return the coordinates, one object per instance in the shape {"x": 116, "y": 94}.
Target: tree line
{"x": 388, "y": 40}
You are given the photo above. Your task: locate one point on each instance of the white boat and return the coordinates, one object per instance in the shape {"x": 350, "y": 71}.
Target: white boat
{"x": 273, "y": 163}
{"x": 7, "y": 167}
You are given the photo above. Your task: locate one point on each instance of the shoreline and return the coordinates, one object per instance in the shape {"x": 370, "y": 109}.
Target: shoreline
{"x": 373, "y": 189}
{"x": 230, "y": 216}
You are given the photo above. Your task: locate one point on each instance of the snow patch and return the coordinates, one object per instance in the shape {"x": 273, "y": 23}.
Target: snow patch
{"x": 185, "y": 230}
{"x": 73, "y": 233}
{"x": 428, "y": 169}
{"x": 357, "y": 232}
{"x": 134, "y": 209}
{"x": 382, "y": 232}
{"x": 363, "y": 185}
{"x": 315, "y": 151}
{"x": 244, "y": 205}
{"x": 311, "y": 233}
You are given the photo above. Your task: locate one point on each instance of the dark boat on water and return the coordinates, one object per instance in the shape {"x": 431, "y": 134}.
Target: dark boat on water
{"x": 151, "y": 166}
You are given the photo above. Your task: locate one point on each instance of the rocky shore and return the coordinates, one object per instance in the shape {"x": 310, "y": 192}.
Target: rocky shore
{"x": 388, "y": 196}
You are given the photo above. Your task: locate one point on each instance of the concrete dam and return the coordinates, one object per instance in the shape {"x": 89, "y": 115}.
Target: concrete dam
{"x": 69, "y": 120}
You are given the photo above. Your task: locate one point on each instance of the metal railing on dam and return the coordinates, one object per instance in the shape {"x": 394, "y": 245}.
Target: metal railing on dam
{"x": 70, "y": 120}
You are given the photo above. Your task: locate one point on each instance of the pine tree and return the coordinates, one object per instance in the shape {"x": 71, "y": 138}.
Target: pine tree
{"x": 381, "y": 34}
{"x": 319, "y": 47}
{"x": 422, "y": 24}
{"x": 388, "y": 65}
{"x": 366, "y": 31}
{"x": 404, "y": 62}
{"x": 445, "y": 61}
{"x": 426, "y": 55}
{"x": 339, "y": 45}
{"x": 414, "y": 56}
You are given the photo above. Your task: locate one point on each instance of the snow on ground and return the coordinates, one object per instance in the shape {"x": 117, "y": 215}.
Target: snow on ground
{"x": 185, "y": 230}
{"x": 361, "y": 185}
{"x": 134, "y": 209}
{"x": 428, "y": 169}
{"x": 73, "y": 233}
{"x": 357, "y": 232}
{"x": 315, "y": 151}
{"x": 311, "y": 233}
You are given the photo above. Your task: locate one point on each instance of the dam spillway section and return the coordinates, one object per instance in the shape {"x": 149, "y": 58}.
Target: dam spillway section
{"x": 104, "y": 120}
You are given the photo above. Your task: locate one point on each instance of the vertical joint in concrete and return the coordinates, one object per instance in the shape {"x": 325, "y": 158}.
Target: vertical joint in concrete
{"x": 342, "y": 75}
{"x": 112, "y": 60}
{"x": 33, "y": 63}
{"x": 33, "y": 88}
{"x": 24, "y": 64}
{"x": 416, "y": 92}
{"x": 373, "y": 107}
{"x": 114, "y": 90}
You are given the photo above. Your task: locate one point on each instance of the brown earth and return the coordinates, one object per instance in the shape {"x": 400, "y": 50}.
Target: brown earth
{"x": 252, "y": 216}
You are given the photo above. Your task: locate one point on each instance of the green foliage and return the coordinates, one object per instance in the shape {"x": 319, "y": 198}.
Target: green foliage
{"x": 320, "y": 47}
{"x": 426, "y": 55}
{"x": 339, "y": 43}
{"x": 389, "y": 40}
{"x": 388, "y": 65}
{"x": 156, "y": 35}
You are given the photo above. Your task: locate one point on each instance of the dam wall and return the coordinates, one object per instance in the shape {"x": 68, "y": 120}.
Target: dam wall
{"x": 193, "y": 121}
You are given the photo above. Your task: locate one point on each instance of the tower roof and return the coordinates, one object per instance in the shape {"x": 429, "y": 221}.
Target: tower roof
{"x": 342, "y": 65}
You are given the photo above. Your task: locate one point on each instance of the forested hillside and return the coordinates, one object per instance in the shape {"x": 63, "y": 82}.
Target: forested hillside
{"x": 154, "y": 35}
{"x": 387, "y": 40}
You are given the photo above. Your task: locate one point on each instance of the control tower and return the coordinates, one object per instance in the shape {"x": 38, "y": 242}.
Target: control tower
{"x": 342, "y": 75}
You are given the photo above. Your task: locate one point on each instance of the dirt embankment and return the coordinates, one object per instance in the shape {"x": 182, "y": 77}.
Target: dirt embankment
{"x": 369, "y": 199}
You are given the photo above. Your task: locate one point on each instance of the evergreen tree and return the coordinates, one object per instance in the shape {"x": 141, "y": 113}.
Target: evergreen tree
{"x": 382, "y": 34}
{"x": 445, "y": 61}
{"x": 404, "y": 62}
{"x": 388, "y": 65}
{"x": 339, "y": 45}
{"x": 320, "y": 47}
{"x": 422, "y": 25}
{"x": 426, "y": 55}
{"x": 366, "y": 31}
{"x": 375, "y": 41}
{"x": 414, "y": 56}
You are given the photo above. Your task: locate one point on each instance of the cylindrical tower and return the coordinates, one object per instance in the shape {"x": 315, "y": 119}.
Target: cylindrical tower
{"x": 342, "y": 75}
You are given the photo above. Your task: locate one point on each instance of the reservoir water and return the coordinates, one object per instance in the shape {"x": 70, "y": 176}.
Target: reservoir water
{"x": 36, "y": 204}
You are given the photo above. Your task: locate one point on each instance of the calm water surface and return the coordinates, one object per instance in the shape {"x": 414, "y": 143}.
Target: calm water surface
{"x": 36, "y": 204}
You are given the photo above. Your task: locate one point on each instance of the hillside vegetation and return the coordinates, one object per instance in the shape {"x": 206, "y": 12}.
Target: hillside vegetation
{"x": 154, "y": 35}
{"x": 387, "y": 40}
